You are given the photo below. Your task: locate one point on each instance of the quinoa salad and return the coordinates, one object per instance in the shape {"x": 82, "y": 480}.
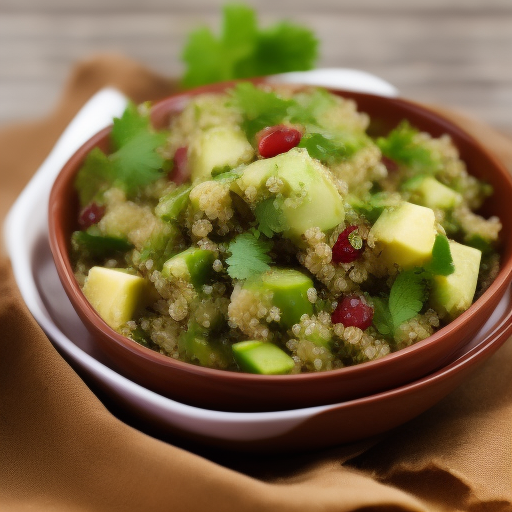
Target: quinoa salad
{"x": 263, "y": 230}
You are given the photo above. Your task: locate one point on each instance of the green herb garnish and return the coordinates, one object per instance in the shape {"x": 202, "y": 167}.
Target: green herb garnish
{"x": 135, "y": 164}
{"x": 243, "y": 50}
{"x": 406, "y": 299}
{"x": 249, "y": 256}
{"x": 401, "y": 146}
{"x": 326, "y": 149}
{"x": 441, "y": 263}
{"x": 270, "y": 217}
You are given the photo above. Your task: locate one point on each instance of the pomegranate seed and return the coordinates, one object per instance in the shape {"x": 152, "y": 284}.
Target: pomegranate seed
{"x": 391, "y": 165}
{"x": 180, "y": 171}
{"x": 90, "y": 215}
{"x": 353, "y": 311}
{"x": 274, "y": 140}
{"x": 348, "y": 247}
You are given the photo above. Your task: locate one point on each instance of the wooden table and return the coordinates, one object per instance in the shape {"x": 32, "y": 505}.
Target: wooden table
{"x": 453, "y": 52}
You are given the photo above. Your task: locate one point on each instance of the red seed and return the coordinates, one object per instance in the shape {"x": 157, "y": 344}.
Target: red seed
{"x": 353, "y": 311}
{"x": 391, "y": 165}
{"x": 180, "y": 171}
{"x": 90, "y": 215}
{"x": 274, "y": 140}
{"x": 345, "y": 250}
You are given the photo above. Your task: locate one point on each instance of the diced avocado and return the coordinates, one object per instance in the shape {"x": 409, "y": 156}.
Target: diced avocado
{"x": 196, "y": 346}
{"x": 193, "y": 265}
{"x": 255, "y": 356}
{"x": 173, "y": 203}
{"x": 218, "y": 147}
{"x": 453, "y": 294}
{"x": 429, "y": 192}
{"x": 289, "y": 289}
{"x": 313, "y": 199}
{"x": 405, "y": 235}
{"x": 115, "y": 294}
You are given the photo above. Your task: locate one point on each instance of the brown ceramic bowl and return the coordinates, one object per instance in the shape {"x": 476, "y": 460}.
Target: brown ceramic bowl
{"x": 231, "y": 391}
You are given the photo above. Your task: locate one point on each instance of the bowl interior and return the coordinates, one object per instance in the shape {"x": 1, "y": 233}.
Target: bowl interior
{"x": 230, "y": 390}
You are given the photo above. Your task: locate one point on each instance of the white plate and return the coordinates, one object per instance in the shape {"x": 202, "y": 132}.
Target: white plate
{"x": 26, "y": 235}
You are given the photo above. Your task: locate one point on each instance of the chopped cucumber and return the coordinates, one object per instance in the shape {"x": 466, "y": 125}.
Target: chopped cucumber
{"x": 171, "y": 205}
{"x": 99, "y": 246}
{"x": 193, "y": 265}
{"x": 289, "y": 289}
{"x": 255, "y": 356}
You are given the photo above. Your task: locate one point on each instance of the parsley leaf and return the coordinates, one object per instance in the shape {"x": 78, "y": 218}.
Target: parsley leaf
{"x": 249, "y": 256}
{"x": 270, "y": 217}
{"x": 441, "y": 263}
{"x": 401, "y": 146}
{"x": 243, "y": 50}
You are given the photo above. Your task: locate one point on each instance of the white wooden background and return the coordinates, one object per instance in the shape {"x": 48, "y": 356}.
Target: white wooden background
{"x": 453, "y": 52}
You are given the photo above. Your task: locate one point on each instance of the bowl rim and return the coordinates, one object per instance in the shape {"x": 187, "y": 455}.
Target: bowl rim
{"x": 59, "y": 244}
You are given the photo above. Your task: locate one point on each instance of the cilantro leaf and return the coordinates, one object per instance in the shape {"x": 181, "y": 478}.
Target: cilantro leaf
{"x": 407, "y": 295}
{"x": 281, "y": 48}
{"x": 242, "y": 50}
{"x": 135, "y": 162}
{"x": 270, "y": 217}
{"x": 260, "y": 108}
{"x": 249, "y": 256}
{"x": 382, "y": 319}
{"x": 406, "y": 299}
{"x": 94, "y": 176}
{"x": 402, "y": 146}
{"x": 128, "y": 125}
{"x": 324, "y": 149}
{"x": 441, "y": 263}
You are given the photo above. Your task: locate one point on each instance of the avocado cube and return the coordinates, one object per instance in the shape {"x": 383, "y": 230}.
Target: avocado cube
{"x": 193, "y": 265}
{"x": 405, "y": 235}
{"x": 218, "y": 147}
{"x": 453, "y": 294}
{"x": 314, "y": 198}
{"x": 115, "y": 294}
{"x": 255, "y": 356}
{"x": 429, "y": 192}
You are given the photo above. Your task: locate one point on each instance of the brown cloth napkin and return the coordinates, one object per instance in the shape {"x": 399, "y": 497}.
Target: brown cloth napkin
{"x": 62, "y": 450}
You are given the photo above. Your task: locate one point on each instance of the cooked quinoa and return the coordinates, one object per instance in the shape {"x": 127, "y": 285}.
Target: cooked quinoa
{"x": 269, "y": 218}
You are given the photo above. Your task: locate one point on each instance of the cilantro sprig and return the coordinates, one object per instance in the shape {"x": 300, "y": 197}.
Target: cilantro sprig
{"x": 263, "y": 108}
{"x": 249, "y": 256}
{"x": 135, "y": 162}
{"x": 244, "y": 50}
{"x": 402, "y": 146}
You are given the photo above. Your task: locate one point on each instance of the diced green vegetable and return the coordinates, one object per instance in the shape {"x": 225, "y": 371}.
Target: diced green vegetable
{"x": 171, "y": 205}
{"x": 255, "y": 356}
